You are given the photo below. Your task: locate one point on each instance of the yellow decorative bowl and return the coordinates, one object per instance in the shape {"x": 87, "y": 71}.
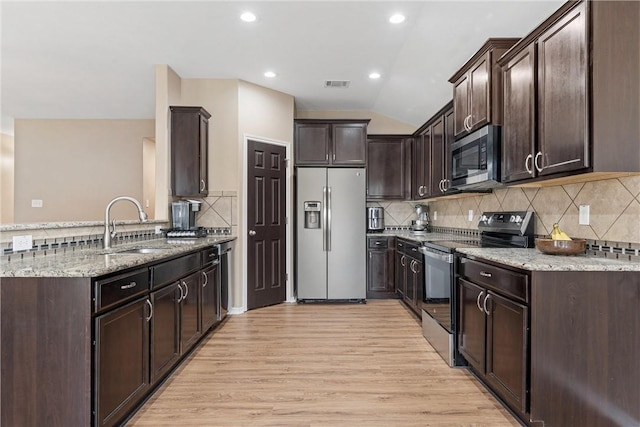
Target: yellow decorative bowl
{"x": 561, "y": 247}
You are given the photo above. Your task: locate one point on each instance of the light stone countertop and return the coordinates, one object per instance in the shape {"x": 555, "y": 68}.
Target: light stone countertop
{"x": 91, "y": 262}
{"x": 534, "y": 260}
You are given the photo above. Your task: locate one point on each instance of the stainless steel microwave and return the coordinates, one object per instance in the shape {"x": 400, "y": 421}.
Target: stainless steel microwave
{"x": 475, "y": 160}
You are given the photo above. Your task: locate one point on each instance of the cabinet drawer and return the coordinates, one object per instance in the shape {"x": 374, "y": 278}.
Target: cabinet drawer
{"x": 378, "y": 243}
{"x": 173, "y": 270}
{"x": 506, "y": 282}
{"x": 209, "y": 255}
{"x": 114, "y": 290}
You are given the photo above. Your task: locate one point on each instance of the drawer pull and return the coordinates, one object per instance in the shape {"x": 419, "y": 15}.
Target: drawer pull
{"x": 485, "y": 274}
{"x": 378, "y": 243}
{"x": 129, "y": 286}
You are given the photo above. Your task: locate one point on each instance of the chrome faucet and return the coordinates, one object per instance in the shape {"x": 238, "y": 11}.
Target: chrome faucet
{"x": 108, "y": 234}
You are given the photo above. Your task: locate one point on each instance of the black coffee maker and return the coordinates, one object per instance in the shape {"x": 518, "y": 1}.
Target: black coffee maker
{"x": 183, "y": 214}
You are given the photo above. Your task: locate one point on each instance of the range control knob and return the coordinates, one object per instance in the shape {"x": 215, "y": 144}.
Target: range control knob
{"x": 512, "y": 219}
{"x": 518, "y": 219}
{"x": 484, "y": 218}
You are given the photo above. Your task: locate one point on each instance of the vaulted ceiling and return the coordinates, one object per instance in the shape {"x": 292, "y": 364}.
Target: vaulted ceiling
{"x": 93, "y": 59}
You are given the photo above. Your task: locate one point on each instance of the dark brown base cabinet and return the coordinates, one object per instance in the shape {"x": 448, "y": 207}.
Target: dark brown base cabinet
{"x": 493, "y": 329}
{"x": 409, "y": 274}
{"x": 87, "y": 351}
{"x": 122, "y": 361}
{"x": 380, "y": 268}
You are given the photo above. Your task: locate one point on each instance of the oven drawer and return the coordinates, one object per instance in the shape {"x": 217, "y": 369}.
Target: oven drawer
{"x": 507, "y": 282}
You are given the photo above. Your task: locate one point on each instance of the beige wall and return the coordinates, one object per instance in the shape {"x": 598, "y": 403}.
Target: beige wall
{"x": 220, "y": 99}
{"x": 379, "y": 124}
{"x": 76, "y": 167}
{"x": 168, "y": 92}
{"x": 6, "y": 178}
{"x": 149, "y": 176}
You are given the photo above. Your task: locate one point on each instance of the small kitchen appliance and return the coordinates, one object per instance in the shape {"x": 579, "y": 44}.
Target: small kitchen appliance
{"x": 183, "y": 214}
{"x": 422, "y": 223}
{"x": 375, "y": 219}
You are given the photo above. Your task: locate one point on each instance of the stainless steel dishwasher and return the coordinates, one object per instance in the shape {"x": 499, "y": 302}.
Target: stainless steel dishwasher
{"x": 225, "y": 252}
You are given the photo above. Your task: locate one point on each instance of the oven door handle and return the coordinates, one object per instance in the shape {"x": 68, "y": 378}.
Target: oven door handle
{"x": 448, "y": 258}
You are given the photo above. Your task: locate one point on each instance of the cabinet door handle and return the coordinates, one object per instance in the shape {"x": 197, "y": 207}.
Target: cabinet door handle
{"x": 334, "y": 156}
{"x": 445, "y": 185}
{"x": 181, "y": 293}
{"x": 203, "y": 185}
{"x": 478, "y": 300}
{"x": 326, "y": 157}
{"x": 252, "y": 233}
{"x": 469, "y": 125}
{"x": 402, "y": 261}
{"x": 485, "y": 274}
{"x": 441, "y": 185}
{"x": 129, "y": 286}
{"x": 526, "y": 164}
{"x": 150, "y": 310}
{"x": 206, "y": 279}
{"x": 535, "y": 161}
{"x": 186, "y": 290}
{"x": 484, "y": 304}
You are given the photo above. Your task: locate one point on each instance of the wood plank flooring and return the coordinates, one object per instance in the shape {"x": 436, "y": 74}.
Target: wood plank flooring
{"x": 321, "y": 365}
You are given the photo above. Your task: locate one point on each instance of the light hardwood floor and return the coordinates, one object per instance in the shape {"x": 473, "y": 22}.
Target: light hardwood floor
{"x": 321, "y": 365}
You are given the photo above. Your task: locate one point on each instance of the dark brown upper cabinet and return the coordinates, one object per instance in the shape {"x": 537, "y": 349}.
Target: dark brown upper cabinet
{"x": 477, "y": 88}
{"x": 189, "y": 151}
{"x": 572, "y": 95}
{"x": 389, "y": 167}
{"x": 432, "y": 157}
{"x": 330, "y": 142}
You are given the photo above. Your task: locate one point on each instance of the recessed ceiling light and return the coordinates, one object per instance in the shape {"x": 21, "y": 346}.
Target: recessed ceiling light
{"x": 269, "y": 74}
{"x": 397, "y": 18}
{"x": 248, "y": 17}
{"x": 374, "y": 75}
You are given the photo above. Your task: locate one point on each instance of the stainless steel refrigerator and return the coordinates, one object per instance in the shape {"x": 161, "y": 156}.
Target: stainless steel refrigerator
{"x": 331, "y": 234}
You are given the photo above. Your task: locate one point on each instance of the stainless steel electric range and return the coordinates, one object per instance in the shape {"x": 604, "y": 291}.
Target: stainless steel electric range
{"x": 439, "y": 305}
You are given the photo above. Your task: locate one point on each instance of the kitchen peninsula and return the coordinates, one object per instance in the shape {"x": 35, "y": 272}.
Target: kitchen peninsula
{"x": 88, "y": 333}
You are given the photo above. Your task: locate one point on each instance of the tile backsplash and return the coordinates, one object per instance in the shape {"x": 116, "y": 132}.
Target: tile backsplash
{"x": 219, "y": 209}
{"x": 614, "y": 207}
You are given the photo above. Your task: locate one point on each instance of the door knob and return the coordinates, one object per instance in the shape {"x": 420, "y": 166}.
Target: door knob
{"x": 252, "y": 233}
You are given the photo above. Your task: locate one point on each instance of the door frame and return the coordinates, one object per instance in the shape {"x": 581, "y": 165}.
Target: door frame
{"x": 288, "y": 217}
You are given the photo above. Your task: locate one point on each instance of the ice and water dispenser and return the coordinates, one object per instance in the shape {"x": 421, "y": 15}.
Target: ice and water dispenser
{"x": 312, "y": 214}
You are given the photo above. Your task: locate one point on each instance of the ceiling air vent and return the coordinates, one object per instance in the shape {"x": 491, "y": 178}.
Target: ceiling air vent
{"x": 337, "y": 83}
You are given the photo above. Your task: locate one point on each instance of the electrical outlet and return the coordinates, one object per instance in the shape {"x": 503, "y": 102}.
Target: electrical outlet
{"x": 470, "y": 215}
{"x": 36, "y": 203}
{"x": 435, "y": 215}
{"x": 22, "y": 243}
{"x": 583, "y": 217}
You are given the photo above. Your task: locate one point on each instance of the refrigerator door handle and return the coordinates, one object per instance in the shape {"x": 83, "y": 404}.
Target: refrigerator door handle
{"x": 328, "y": 219}
{"x": 324, "y": 219}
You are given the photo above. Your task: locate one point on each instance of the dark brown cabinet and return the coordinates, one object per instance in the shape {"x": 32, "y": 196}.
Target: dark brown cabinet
{"x": 493, "y": 328}
{"x": 477, "y": 88}
{"x": 165, "y": 330}
{"x": 550, "y": 72}
{"x": 121, "y": 360}
{"x": 570, "y": 90}
{"x": 380, "y": 267}
{"x": 409, "y": 274}
{"x": 330, "y": 142}
{"x": 189, "y": 151}
{"x": 190, "y": 309}
{"x": 389, "y": 167}
{"x": 432, "y": 156}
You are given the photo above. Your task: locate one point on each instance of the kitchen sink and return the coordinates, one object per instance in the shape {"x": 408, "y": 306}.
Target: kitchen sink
{"x": 139, "y": 251}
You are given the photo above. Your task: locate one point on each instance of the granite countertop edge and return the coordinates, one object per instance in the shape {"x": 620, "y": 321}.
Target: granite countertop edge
{"x": 98, "y": 262}
{"x": 533, "y": 260}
